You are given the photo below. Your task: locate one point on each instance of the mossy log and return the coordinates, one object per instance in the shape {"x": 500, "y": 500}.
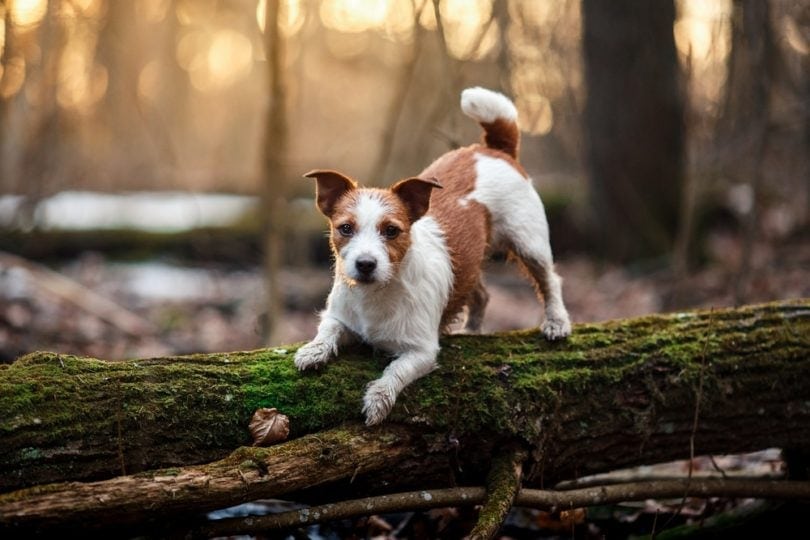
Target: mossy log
{"x": 614, "y": 394}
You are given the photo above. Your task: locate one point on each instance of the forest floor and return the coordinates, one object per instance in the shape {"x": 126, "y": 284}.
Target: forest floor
{"x": 212, "y": 307}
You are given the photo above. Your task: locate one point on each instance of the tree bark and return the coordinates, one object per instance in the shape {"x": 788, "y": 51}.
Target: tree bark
{"x": 275, "y": 168}
{"x": 615, "y": 394}
{"x": 634, "y": 125}
{"x": 247, "y": 474}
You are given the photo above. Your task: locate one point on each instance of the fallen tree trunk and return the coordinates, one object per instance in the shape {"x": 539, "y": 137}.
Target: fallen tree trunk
{"x": 615, "y": 394}
{"x": 247, "y": 474}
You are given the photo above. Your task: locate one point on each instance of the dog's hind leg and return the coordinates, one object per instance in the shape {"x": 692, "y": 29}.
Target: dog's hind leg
{"x": 519, "y": 224}
{"x": 549, "y": 284}
{"x": 528, "y": 243}
{"x": 476, "y": 305}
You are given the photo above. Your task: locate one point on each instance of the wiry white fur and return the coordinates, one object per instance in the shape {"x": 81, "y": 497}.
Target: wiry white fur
{"x": 487, "y": 106}
{"x": 515, "y": 207}
{"x": 367, "y": 243}
{"x": 519, "y": 223}
{"x": 400, "y": 311}
{"x": 402, "y": 316}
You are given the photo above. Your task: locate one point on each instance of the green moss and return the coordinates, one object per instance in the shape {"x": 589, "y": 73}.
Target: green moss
{"x": 509, "y": 384}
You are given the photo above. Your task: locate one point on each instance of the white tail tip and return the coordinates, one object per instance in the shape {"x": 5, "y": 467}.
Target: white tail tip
{"x": 487, "y": 106}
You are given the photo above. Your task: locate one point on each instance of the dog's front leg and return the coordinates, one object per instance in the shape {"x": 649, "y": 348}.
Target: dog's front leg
{"x": 331, "y": 333}
{"x": 382, "y": 393}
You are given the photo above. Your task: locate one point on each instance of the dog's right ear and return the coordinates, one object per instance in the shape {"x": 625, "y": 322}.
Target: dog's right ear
{"x": 415, "y": 194}
{"x": 331, "y": 186}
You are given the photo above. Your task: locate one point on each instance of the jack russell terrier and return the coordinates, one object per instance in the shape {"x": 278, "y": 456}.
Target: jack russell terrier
{"x": 408, "y": 259}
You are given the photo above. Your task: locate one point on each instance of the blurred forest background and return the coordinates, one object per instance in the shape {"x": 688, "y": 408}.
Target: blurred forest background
{"x": 151, "y": 153}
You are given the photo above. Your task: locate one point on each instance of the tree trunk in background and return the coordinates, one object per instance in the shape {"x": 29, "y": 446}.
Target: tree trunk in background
{"x": 744, "y": 124}
{"x": 125, "y": 152}
{"x": 398, "y": 100}
{"x": 634, "y": 125}
{"x": 9, "y": 52}
{"x": 274, "y": 174}
{"x": 44, "y": 143}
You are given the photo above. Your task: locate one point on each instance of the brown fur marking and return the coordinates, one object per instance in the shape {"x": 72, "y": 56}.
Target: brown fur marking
{"x": 398, "y": 216}
{"x": 502, "y": 135}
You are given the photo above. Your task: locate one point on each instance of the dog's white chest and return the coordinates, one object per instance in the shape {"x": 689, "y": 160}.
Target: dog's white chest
{"x": 407, "y": 311}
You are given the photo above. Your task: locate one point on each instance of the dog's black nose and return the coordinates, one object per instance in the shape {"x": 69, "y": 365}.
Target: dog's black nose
{"x": 365, "y": 266}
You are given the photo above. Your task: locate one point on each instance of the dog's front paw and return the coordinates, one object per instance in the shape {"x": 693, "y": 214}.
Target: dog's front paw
{"x": 378, "y": 401}
{"x": 312, "y": 355}
{"x": 556, "y": 328}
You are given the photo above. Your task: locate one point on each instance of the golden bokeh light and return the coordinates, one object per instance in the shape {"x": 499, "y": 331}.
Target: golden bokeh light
{"x": 703, "y": 31}
{"x": 399, "y": 23}
{"x": 93, "y": 9}
{"x": 291, "y": 14}
{"x": 354, "y": 16}
{"x": 427, "y": 17}
{"x": 703, "y": 39}
{"x": 191, "y": 49}
{"x": 535, "y": 112}
{"x": 152, "y": 11}
{"x": 230, "y": 57}
{"x": 82, "y": 83}
{"x": 195, "y": 11}
{"x": 2, "y": 32}
{"x": 463, "y": 22}
{"x": 215, "y": 61}
{"x": 149, "y": 81}
{"x": 13, "y": 77}
{"x": 347, "y": 46}
{"x": 28, "y": 13}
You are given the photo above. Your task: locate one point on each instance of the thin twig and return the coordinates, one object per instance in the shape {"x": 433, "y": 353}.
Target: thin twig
{"x": 529, "y": 498}
{"x": 695, "y": 421}
{"x": 717, "y": 467}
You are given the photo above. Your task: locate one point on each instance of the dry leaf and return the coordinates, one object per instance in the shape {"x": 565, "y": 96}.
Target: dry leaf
{"x": 268, "y": 427}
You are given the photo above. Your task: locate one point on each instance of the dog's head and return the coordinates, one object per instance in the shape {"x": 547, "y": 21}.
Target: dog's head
{"x": 370, "y": 228}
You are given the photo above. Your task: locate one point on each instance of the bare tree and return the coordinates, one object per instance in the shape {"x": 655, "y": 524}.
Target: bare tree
{"x": 634, "y": 125}
{"x": 42, "y": 144}
{"x": 745, "y": 116}
{"x": 274, "y": 182}
{"x": 397, "y": 104}
{"x": 9, "y": 52}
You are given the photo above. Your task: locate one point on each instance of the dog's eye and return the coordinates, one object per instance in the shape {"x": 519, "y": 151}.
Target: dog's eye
{"x": 391, "y": 232}
{"x": 346, "y": 229}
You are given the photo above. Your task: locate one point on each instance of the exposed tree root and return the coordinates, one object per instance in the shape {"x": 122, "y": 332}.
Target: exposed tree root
{"x": 503, "y": 484}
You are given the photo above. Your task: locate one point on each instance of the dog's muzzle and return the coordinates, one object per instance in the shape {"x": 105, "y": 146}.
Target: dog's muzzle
{"x": 365, "y": 268}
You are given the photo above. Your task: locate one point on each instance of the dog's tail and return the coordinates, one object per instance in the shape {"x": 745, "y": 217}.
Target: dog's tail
{"x": 497, "y": 115}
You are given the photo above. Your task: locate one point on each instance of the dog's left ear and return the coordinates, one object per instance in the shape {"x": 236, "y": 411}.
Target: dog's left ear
{"x": 415, "y": 194}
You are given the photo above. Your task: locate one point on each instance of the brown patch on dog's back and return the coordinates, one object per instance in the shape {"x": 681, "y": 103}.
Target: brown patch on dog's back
{"x": 465, "y": 223}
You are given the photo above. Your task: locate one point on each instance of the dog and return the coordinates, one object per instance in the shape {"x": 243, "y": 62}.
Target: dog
{"x": 408, "y": 258}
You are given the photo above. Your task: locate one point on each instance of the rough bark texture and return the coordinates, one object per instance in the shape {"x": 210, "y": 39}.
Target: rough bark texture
{"x": 614, "y": 394}
{"x": 247, "y": 474}
{"x": 633, "y": 125}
